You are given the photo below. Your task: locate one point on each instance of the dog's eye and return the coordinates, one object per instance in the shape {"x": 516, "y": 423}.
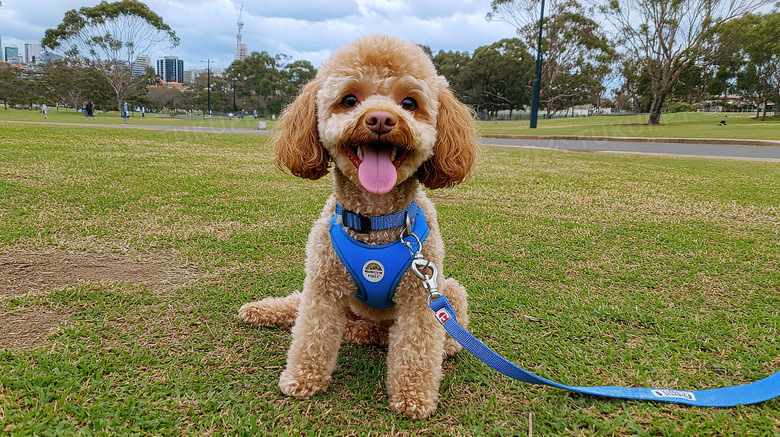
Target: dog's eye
{"x": 349, "y": 102}
{"x": 409, "y": 104}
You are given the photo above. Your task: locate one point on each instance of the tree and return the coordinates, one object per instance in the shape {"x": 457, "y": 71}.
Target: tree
{"x": 298, "y": 74}
{"x": 109, "y": 38}
{"x": 65, "y": 83}
{"x": 266, "y": 82}
{"x": 163, "y": 97}
{"x": 451, "y": 65}
{"x": 498, "y": 76}
{"x": 11, "y": 83}
{"x": 755, "y": 41}
{"x": 670, "y": 36}
{"x": 577, "y": 53}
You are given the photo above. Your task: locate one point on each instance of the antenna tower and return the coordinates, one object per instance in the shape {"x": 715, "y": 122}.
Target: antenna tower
{"x": 240, "y": 48}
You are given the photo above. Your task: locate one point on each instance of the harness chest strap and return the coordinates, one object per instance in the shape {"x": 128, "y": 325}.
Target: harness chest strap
{"x": 377, "y": 269}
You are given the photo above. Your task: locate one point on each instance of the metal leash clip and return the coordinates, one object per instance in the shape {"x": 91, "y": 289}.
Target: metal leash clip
{"x": 419, "y": 263}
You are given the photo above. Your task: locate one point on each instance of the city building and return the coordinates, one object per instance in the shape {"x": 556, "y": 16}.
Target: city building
{"x": 241, "y": 52}
{"x": 171, "y": 69}
{"x": 191, "y": 75}
{"x": 51, "y": 57}
{"x": 32, "y": 53}
{"x": 140, "y": 65}
{"x": 10, "y": 53}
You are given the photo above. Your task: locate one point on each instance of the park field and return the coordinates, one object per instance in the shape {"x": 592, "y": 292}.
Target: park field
{"x": 585, "y": 268}
{"x": 681, "y": 125}
{"x": 150, "y": 119}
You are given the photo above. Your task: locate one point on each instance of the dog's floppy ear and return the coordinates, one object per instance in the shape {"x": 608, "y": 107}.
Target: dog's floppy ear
{"x": 296, "y": 143}
{"x": 456, "y": 145}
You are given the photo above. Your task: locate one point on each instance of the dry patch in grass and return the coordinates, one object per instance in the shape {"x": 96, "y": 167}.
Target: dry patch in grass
{"x": 28, "y": 329}
{"x": 23, "y": 272}
{"x": 33, "y": 272}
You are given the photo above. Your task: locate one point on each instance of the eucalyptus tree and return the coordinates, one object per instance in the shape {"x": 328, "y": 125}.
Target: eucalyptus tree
{"x": 498, "y": 76}
{"x": 11, "y": 84}
{"x": 667, "y": 37}
{"x": 451, "y": 65}
{"x": 755, "y": 41}
{"x": 577, "y": 53}
{"x": 108, "y": 38}
{"x": 266, "y": 82}
{"x": 65, "y": 83}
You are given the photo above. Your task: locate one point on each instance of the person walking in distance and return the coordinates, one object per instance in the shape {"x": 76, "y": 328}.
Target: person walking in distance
{"x": 89, "y": 109}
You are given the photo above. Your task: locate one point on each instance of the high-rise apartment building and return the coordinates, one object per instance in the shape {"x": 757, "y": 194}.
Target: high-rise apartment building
{"x": 11, "y": 54}
{"x": 191, "y": 75}
{"x": 171, "y": 69}
{"x": 241, "y": 52}
{"x": 32, "y": 53}
{"x": 141, "y": 64}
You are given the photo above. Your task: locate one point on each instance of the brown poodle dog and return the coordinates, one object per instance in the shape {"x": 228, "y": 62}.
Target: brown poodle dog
{"x": 379, "y": 112}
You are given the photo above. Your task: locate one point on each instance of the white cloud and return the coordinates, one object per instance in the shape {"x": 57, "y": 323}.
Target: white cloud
{"x": 303, "y": 29}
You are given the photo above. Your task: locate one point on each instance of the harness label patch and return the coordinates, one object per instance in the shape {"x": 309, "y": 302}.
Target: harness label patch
{"x": 373, "y": 271}
{"x": 674, "y": 394}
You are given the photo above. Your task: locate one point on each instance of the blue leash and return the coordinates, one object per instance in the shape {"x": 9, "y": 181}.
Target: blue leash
{"x": 759, "y": 391}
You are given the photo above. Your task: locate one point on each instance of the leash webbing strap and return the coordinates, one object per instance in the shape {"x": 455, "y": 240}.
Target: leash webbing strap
{"x": 759, "y": 391}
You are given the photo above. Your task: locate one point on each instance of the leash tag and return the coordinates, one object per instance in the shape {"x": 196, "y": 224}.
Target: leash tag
{"x": 665, "y": 393}
{"x": 443, "y": 315}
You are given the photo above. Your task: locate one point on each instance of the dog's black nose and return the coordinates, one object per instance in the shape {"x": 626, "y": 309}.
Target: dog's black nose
{"x": 380, "y": 122}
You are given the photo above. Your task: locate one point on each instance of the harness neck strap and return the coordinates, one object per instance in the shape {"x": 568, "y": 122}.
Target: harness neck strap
{"x": 363, "y": 224}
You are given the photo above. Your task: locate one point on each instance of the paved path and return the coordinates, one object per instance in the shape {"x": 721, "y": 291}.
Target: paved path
{"x": 738, "y": 149}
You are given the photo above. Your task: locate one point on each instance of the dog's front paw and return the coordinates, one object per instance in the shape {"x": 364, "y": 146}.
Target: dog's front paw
{"x": 413, "y": 405}
{"x": 301, "y": 385}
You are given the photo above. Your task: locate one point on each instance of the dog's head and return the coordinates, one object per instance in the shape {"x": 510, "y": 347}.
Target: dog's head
{"x": 380, "y": 112}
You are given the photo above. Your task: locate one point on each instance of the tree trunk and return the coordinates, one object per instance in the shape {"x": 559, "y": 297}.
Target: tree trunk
{"x": 655, "y": 108}
{"x": 766, "y": 100}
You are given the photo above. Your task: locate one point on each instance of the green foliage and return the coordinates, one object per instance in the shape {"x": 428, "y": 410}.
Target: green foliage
{"x": 108, "y": 37}
{"x": 105, "y": 16}
{"x": 267, "y": 83}
{"x": 577, "y": 53}
{"x": 668, "y": 37}
{"x": 11, "y": 86}
{"x": 497, "y": 77}
{"x": 578, "y": 56}
{"x": 753, "y": 43}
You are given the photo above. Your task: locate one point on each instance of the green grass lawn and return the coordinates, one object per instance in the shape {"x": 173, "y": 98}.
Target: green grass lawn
{"x": 634, "y": 270}
{"x": 681, "y": 125}
{"x": 71, "y": 116}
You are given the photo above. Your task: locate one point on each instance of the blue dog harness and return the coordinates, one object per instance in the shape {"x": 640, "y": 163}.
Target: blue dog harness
{"x": 377, "y": 269}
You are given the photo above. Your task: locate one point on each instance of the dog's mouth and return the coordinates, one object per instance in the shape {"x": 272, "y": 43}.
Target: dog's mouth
{"x": 377, "y": 164}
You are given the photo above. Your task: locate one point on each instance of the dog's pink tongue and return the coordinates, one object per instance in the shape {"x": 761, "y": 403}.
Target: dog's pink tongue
{"x": 377, "y": 173}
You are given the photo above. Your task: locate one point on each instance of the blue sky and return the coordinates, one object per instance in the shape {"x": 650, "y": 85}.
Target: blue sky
{"x": 303, "y": 29}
